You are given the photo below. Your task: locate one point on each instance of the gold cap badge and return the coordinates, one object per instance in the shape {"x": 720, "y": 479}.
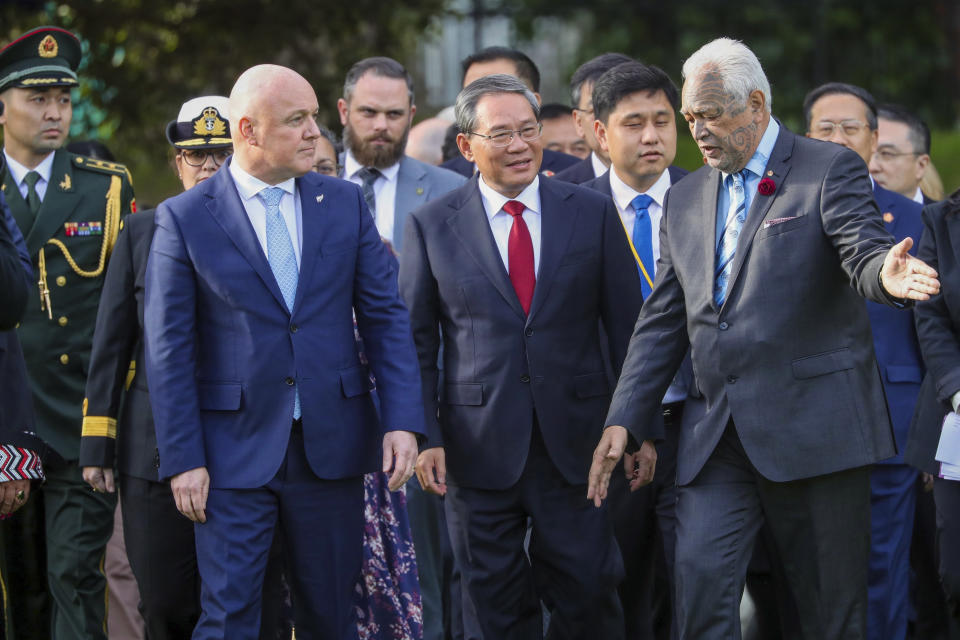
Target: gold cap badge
{"x": 48, "y": 47}
{"x": 209, "y": 123}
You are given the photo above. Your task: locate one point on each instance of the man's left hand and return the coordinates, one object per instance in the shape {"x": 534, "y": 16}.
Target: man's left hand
{"x": 399, "y": 454}
{"x": 906, "y": 277}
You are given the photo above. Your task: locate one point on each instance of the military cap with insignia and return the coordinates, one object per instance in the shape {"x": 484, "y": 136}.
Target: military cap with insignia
{"x": 201, "y": 124}
{"x": 43, "y": 57}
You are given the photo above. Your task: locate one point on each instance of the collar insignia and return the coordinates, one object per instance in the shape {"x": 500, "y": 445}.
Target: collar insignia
{"x": 66, "y": 184}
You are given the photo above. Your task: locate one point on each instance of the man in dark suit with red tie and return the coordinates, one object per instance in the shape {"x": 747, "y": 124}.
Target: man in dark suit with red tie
{"x": 512, "y": 273}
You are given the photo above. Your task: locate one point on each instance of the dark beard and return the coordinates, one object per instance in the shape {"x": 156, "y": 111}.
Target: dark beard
{"x": 370, "y": 156}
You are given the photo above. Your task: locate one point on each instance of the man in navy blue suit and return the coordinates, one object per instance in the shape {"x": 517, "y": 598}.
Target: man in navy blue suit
{"x": 263, "y": 409}
{"x": 847, "y": 115}
{"x": 512, "y": 273}
{"x": 635, "y": 108}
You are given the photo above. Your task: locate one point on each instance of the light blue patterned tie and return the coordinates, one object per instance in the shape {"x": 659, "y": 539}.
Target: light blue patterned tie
{"x": 283, "y": 262}
{"x": 731, "y": 233}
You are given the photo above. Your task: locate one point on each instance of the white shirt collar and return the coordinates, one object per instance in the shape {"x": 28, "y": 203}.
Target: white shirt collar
{"x": 351, "y": 166}
{"x": 249, "y": 186}
{"x": 918, "y": 196}
{"x": 623, "y": 194}
{"x": 18, "y": 171}
{"x": 598, "y": 167}
{"x": 530, "y": 197}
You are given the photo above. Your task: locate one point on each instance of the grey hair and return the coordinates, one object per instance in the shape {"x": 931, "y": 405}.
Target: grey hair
{"x": 465, "y": 109}
{"x": 736, "y": 64}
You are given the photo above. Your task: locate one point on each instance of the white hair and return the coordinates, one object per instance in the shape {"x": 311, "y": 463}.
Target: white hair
{"x": 737, "y": 65}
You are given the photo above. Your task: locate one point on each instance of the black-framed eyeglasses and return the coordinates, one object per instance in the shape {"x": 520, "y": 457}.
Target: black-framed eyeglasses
{"x": 503, "y": 138}
{"x": 196, "y": 157}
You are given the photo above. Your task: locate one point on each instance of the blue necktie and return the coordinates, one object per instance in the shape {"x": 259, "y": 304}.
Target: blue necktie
{"x": 643, "y": 239}
{"x": 283, "y": 262}
{"x": 731, "y": 233}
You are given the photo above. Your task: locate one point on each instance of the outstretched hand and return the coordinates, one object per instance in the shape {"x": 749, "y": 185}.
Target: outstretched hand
{"x": 906, "y": 277}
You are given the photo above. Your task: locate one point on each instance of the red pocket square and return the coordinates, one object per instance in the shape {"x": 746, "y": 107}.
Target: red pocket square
{"x": 775, "y": 221}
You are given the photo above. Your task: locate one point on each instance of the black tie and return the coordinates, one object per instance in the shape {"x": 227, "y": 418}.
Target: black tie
{"x": 33, "y": 200}
{"x": 369, "y": 175}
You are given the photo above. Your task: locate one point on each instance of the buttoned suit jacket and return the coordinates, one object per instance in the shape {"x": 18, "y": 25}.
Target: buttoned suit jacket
{"x": 118, "y": 425}
{"x": 225, "y": 355}
{"x": 894, "y": 334}
{"x": 789, "y": 356}
{"x": 937, "y": 321}
{"x": 501, "y": 367}
{"x": 417, "y": 184}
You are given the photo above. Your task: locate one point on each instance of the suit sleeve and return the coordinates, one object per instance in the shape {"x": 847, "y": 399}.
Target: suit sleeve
{"x": 939, "y": 342}
{"x": 419, "y": 290}
{"x": 657, "y": 348}
{"x": 114, "y": 341}
{"x": 384, "y": 325}
{"x": 170, "y": 325}
{"x": 15, "y": 270}
{"x": 852, "y": 221}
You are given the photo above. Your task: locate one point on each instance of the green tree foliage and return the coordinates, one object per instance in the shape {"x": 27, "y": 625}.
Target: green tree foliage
{"x": 146, "y": 57}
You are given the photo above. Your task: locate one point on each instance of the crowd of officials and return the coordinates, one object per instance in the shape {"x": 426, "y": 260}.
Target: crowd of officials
{"x": 506, "y": 374}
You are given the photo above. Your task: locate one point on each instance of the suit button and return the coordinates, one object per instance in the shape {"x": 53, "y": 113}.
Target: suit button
{"x": 524, "y": 378}
{"x": 63, "y": 321}
{"x": 294, "y": 328}
{"x": 61, "y": 281}
{"x": 723, "y": 326}
{"x": 290, "y": 381}
{"x": 529, "y": 332}
{"x": 731, "y": 379}
{"x": 64, "y": 359}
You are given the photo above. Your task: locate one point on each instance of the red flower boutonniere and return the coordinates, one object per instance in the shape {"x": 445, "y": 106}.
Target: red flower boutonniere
{"x": 766, "y": 187}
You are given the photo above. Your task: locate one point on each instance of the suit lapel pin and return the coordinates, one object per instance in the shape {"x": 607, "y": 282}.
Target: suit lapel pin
{"x": 419, "y": 191}
{"x": 66, "y": 184}
{"x": 888, "y": 217}
{"x": 770, "y": 173}
{"x": 319, "y": 198}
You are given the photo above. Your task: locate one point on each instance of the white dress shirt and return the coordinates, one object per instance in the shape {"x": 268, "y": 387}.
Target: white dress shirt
{"x": 623, "y": 196}
{"x": 501, "y": 221}
{"x": 19, "y": 172}
{"x": 384, "y": 190}
{"x": 249, "y": 186}
{"x": 918, "y": 196}
{"x": 598, "y": 167}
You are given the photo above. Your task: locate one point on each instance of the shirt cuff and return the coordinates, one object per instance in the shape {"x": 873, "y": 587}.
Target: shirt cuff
{"x": 955, "y": 400}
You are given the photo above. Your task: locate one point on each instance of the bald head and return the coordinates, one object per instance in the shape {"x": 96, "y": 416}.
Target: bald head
{"x": 272, "y": 110}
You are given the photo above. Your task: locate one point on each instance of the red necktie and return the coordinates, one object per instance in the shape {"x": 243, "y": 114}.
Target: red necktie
{"x": 520, "y": 256}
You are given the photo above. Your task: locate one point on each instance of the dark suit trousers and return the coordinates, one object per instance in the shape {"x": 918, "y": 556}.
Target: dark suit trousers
{"x": 321, "y": 527}
{"x": 946, "y": 495}
{"x": 821, "y": 528}
{"x": 645, "y": 526}
{"x": 574, "y": 565}
{"x": 162, "y": 552}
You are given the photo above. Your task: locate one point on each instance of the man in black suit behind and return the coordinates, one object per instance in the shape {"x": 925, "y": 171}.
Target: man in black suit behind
{"x": 636, "y": 126}
{"x": 516, "y": 304}
{"x": 764, "y": 254}
{"x": 518, "y": 64}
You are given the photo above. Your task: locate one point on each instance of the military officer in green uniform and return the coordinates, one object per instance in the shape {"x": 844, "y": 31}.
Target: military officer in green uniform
{"x": 70, "y": 209}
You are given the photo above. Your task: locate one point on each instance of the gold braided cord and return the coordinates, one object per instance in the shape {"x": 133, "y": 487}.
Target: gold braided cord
{"x": 111, "y": 227}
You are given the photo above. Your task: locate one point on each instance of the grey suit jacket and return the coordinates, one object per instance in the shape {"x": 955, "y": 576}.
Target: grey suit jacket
{"x": 789, "y": 357}
{"x": 417, "y": 184}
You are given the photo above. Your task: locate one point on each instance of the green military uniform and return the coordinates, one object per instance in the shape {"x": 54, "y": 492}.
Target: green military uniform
{"x": 64, "y": 531}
